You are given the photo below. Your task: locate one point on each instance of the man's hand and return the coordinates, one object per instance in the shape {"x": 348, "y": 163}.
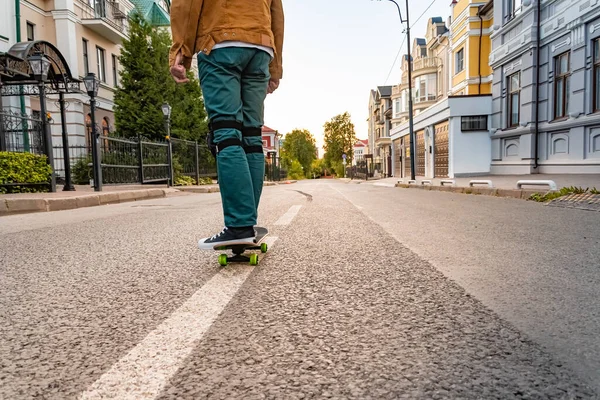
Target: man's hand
{"x": 273, "y": 85}
{"x": 178, "y": 70}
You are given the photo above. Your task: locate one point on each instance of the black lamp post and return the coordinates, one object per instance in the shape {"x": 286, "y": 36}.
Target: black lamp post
{"x": 40, "y": 66}
{"x": 410, "y": 99}
{"x": 166, "y": 110}
{"x": 91, "y": 86}
{"x": 65, "y": 140}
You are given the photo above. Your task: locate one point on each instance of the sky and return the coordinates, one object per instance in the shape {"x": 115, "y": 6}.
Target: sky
{"x": 334, "y": 53}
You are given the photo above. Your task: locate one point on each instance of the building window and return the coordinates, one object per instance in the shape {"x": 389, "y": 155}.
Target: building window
{"x": 561, "y": 85}
{"x": 514, "y": 101}
{"x": 596, "y": 89}
{"x": 100, "y": 54}
{"x": 514, "y": 8}
{"x": 425, "y": 88}
{"x": 30, "y": 32}
{"x": 86, "y": 61}
{"x": 115, "y": 74}
{"x": 474, "y": 123}
{"x": 460, "y": 60}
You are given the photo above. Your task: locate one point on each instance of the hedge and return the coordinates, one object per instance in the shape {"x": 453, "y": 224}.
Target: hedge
{"x": 24, "y": 168}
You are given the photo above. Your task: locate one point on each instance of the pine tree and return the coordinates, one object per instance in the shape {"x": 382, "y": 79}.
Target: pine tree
{"x": 146, "y": 84}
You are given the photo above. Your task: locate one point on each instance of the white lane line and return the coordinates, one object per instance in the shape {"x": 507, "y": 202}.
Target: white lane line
{"x": 288, "y": 216}
{"x": 148, "y": 367}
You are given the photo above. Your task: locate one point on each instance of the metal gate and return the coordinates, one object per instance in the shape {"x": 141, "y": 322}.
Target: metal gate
{"x": 441, "y": 150}
{"x": 420, "y": 153}
{"x": 397, "y": 158}
{"x": 407, "y": 162}
{"x": 21, "y": 132}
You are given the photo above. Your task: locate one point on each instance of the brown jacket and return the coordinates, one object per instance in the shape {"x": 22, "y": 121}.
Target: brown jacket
{"x": 197, "y": 25}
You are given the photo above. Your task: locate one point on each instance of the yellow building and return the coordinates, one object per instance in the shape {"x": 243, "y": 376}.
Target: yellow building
{"x": 451, "y": 91}
{"x": 470, "y": 37}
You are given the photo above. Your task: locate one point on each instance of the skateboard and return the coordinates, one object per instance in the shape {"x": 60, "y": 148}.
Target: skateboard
{"x": 238, "y": 250}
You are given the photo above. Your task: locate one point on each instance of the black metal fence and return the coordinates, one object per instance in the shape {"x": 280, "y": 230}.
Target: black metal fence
{"x": 129, "y": 161}
{"x": 361, "y": 168}
{"x": 21, "y": 133}
{"x": 274, "y": 170}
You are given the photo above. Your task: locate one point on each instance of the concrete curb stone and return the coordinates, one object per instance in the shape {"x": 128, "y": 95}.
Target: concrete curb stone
{"x": 61, "y": 204}
{"x": 3, "y": 206}
{"x": 108, "y": 198}
{"x": 523, "y": 194}
{"x": 26, "y": 205}
{"x": 17, "y": 206}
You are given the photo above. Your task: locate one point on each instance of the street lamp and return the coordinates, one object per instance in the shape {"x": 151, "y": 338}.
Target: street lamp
{"x": 410, "y": 99}
{"x": 40, "y": 65}
{"x": 166, "y": 110}
{"x": 91, "y": 86}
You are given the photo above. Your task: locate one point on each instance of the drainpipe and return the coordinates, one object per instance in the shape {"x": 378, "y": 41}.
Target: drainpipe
{"x": 21, "y": 96}
{"x": 537, "y": 83}
{"x": 480, "y": 37}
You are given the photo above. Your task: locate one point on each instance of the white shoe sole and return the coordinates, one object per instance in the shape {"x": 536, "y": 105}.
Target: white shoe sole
{"x": 211, "y": 246}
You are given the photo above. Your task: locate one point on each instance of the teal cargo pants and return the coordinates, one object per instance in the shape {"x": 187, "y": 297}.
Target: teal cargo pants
{"x": 234, "y": 84}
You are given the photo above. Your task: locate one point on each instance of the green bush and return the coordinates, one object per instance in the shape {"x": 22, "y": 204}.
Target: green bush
{"x": 81, "y": 173}
{"x": 295, "y": 172}
{"x": 23, "y": 168}
{"x": 183, "y": 180}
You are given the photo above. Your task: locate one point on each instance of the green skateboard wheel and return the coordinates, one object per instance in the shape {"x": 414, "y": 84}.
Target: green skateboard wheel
{"x": 254, "y": 259}
{"x": 223, "y": 260}
{"x": 264, "y": 248}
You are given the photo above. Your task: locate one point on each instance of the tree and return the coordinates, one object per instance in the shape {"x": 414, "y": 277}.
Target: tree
{"x": 340, "y": 138}
{"x": 300, "y": 145}
{"x": 146, "y": 83}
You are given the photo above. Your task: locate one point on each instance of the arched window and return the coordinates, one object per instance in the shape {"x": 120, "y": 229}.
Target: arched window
{"x": 105, "y": 126}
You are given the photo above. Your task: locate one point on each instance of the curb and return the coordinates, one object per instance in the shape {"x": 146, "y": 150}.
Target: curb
{"x": 215, "y": 189}
{"x": 22, "y": 206}
{"x": 522, "y": 194}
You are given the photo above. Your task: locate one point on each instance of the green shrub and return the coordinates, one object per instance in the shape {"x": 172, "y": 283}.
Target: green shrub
{"x": 23, "y": 168}
{"x": 81, "y": 173}
{"x": 295, "y": 172}
{"x": 183, "y": 180}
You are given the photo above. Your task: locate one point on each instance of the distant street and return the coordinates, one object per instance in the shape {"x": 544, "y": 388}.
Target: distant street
{"x": 367, "y": 292}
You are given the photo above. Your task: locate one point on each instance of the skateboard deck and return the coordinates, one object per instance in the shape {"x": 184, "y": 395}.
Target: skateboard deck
{"x": 238, "y": 250}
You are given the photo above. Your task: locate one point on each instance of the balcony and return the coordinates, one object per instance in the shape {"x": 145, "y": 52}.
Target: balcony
{"x": 425, "y": 98}
{"x": 383, "y": 141}
{"x": 426, "y": 62}
{"x": 106, "y": 19}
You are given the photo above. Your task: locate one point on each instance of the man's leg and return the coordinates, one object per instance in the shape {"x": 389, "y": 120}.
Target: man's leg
{"x": 255, "y": 79}
{"x": 220, "y": 78}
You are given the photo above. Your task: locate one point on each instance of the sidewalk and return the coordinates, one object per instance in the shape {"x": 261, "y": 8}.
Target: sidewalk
{"x": 85, "y": 196}
{"x": 507, "y": 182}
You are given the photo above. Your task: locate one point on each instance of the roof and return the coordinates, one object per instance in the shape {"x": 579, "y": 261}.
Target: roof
{"x": 487, "y": 7}
{"x": 266, "y": 129}
{"x": 385, "y": 91}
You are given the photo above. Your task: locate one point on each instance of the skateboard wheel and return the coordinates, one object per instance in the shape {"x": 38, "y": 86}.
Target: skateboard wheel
{"x": 223, "y": 260}
{"x": 254, "y": 259}
{"x": 264, "y": 248}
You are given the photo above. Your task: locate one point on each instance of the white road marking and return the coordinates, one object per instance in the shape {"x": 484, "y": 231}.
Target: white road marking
{"x": 384, "y": 184}
{"x": 288, "y": 216}
{"x": 148, "y": 367}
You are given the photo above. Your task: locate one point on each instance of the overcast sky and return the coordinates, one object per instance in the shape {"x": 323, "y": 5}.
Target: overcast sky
{"x": 335, "y": 51}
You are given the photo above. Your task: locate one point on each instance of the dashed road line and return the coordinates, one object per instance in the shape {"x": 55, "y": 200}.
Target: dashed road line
{"x": 287, "y": 218}
{"x": 148, "y": 367}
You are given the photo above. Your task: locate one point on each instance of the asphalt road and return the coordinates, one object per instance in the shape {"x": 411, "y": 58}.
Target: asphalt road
{"x": 367, "y": 292}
